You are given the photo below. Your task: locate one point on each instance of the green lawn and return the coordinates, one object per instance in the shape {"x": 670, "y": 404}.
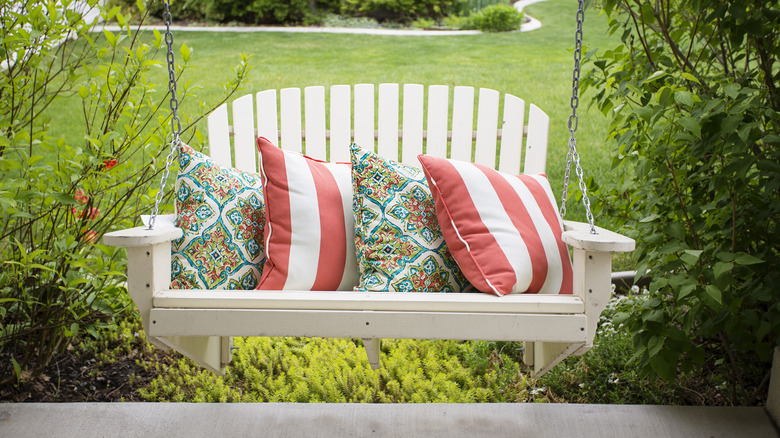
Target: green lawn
{"x": 536, "y": 66}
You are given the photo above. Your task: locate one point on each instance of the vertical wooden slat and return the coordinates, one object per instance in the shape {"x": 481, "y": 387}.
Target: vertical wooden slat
{"x": 219, "y": 136}
{"x": 462, "y": 123}
{"x": 364, "y": 116}
{"x": 314, "y": 110}
{"x": 340, "y": 122}
{"x": 244, "y": 134}
{"x": 291, "y": 119}
{"x": 536, "y": 143}
{"x": 438, "y": 113}
{"x": 387, "y": 123}
{"x": 268, "y": 116}
{"x": 412, "y": 142}
{"x": 487, "y": 128}
{"x": 512, "y": 135}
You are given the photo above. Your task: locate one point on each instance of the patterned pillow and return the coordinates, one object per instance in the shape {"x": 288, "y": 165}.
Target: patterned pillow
{"x": 309, "y": 240}
{"x": 221, "y": 211}
{"x": 504, "y": 230}
{"x": 398, "y": 242}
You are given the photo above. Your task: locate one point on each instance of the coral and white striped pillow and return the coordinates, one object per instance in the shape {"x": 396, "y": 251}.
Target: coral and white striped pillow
{"x": 309, "y": 233}
{"x": 503, "y": 230}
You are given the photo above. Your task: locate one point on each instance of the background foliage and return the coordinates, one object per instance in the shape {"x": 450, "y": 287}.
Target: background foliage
{"x": 307, "y": 12}
{"x": 58, "y": 197}
{"x": 692, "y": 93}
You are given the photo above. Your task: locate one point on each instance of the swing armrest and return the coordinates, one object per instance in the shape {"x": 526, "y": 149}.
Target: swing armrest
{"x": 141, "y": 236}
{"x": 578, "y": 235}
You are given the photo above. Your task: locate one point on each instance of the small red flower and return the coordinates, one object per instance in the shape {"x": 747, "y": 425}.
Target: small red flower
{"x": 108, "y": 164}
{"x": 89, "y": 213}
{"x": 90, "y": 236}
{"x": 81, "y": 197}
{"x": 93, "y": 213}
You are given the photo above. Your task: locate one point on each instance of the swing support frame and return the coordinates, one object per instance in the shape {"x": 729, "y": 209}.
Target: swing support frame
{"x": 200, "y": 324}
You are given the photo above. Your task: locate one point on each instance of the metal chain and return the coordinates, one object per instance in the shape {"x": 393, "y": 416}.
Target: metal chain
{"x": 573, "y": 155}
{"x": 175, "y": 122}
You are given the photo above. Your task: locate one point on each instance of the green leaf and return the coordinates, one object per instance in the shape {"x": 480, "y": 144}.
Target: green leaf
{"x": 657, "y": 75}
{"x": 654, "y": 345}
{"x": 732, "y": 90}
{"x": 685, "y": 291}
{"x": 158, "y": 39}
{"x": 690, "y": 77}
{"x": 677, "y": 231}
{"x": 110, "y": 37}
{"x": 721, "y": 267}
{"x": 17, "y": 369}
{"x": 620, "y": 318}
{"x": 662, "y": 367}
{"x": 692, "y": 124}
{"x": 647, "y": 13}
{"x": 185, "y": 52}
{"x": 746, "y": 259}
{"x": 685, "y": 98}
{"x": 64, "y": 198}
{"x": 649, "y": 218}
{"x": 714, "y": 293}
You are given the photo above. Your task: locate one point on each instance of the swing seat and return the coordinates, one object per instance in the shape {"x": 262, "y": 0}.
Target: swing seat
{"x": 200, "y": 323}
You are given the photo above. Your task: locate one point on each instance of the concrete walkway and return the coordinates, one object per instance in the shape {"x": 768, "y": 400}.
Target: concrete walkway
{"x": 84, "y": 420}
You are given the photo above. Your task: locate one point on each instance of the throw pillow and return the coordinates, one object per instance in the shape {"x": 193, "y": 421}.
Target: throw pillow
{"x": 503, "y": 230}
{"x": 398, "y": 241}
{"x": 309, "y": 234}
{"x": 221, "y": 213}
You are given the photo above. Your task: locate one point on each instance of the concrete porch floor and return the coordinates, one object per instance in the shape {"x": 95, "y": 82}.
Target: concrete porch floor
{"x": 85, "y": 420}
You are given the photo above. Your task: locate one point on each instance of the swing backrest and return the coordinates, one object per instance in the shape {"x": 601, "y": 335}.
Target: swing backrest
{"x": 394, "y": 120}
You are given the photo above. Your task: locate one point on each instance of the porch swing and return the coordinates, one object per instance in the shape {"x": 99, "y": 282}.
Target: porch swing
{"x": 200, "y": 323}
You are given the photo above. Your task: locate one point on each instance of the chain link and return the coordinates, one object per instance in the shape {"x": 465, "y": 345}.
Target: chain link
{"x": 573, "y": 155}
{"x": 174, "y": 105}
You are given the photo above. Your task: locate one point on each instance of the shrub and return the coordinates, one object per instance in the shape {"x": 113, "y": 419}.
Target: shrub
{"x": 695, "y": 109}
{"x": 56, "y": 279}
{"x": 246, "y": 12}
{"x": 496, "y": 18}
{"x": 400, "y": 10}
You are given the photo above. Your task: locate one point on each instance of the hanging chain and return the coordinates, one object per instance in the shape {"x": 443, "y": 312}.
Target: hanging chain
{"x": 573, "y": 155}
{"x": 175, "y": 122}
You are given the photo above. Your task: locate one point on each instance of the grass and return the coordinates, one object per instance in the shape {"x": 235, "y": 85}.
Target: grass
{"x": 536, "y": 66}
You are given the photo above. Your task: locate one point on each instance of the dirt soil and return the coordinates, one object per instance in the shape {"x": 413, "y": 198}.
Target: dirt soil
{"x": 77, "y": 376}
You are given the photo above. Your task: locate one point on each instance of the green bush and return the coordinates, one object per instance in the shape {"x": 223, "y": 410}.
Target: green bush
{"x": 405, "y": 11}
{"x": 58, "y": 198}
{"x": 247, "y": 12}
{"x": 495, "y": 18}
{"x": 467, "y": 7}
{"x": 695, "y": 109}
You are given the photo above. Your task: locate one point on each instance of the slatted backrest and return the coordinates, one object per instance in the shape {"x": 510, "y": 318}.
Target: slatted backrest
{"x": 462, "y": 123}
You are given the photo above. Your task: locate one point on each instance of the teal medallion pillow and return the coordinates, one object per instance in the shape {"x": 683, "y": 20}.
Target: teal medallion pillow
{"x": 398, "y": 241}
{"x": 222, "y": 213}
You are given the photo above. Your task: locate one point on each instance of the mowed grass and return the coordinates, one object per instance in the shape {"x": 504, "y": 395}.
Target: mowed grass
{"x": 536, "y": 66}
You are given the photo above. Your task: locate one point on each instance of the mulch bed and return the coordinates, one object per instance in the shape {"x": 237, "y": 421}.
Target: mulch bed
{"x": 75, "y": 376}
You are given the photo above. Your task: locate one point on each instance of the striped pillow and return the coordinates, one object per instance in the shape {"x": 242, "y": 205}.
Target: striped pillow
{"x": 503, "y": 230}
{"x": 309, "y": 232}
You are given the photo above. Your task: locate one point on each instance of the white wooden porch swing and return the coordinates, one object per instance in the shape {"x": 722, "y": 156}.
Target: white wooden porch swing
{"x": 200, "y": 323}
